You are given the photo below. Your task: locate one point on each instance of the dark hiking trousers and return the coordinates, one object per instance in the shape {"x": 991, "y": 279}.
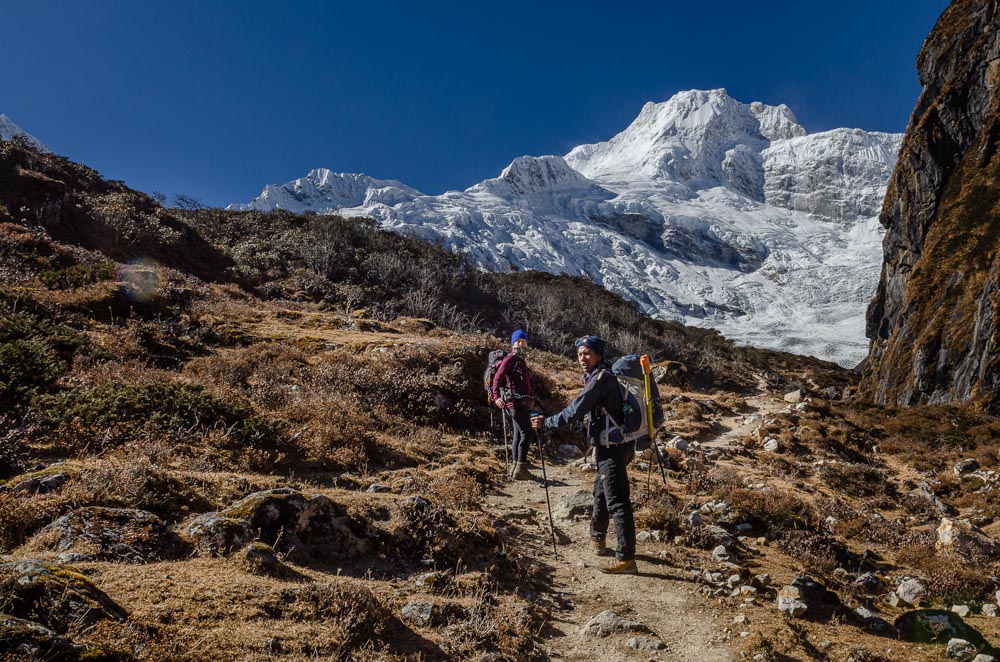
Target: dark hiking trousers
{"x": 611, "y": 498}
{"x": 522, "y": 432}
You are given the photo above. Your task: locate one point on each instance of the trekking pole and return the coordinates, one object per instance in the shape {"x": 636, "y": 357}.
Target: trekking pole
{"x": 506, "y": 454}
{"x": 545, "y": 482}
{"x": 647, "y": 370}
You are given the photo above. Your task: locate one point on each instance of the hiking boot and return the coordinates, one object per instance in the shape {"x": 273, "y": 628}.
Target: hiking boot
{"x": 618, "y": 567}
{"x": 598, "y": 547}
{"x": 520, "y": 472}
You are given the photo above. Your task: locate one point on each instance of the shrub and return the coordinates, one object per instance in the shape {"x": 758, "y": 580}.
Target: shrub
{"x": 78, "y": 275}
{"x": 34, "y": 352}
{"x": 113, "y": 414}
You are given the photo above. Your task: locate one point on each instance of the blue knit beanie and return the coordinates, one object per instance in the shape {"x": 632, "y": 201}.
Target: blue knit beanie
{"x": 593, "y": 342}
{"x": 518, "y": 335}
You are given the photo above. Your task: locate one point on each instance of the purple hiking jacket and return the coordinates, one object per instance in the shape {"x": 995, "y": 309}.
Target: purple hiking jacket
{"x": 515, "y": 375}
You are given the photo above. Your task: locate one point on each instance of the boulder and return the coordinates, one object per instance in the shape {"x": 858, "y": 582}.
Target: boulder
{"x": 965, "y": 467}
{"x": 576, "y": 506}
{"x": 910, "y": 592}
{"x": 53, "y": 595}
{"x": 378, "y": 488}
{"x": 990, "y": 610}
{"x": 870, "y": 584}
{"x": 962, "y": 538}
{"x": 259, "y": 559}
{"x": 24, "y": 640}
{"x": 936, "y": 626}
{"x": 286, "y": 519}
{"x": 608, "y": 623}
{"x": 419, "y": 613}
{"x": 961, "y": 610}
{"x": 807, "y": 597}
{"x": 109, "y": 534}
{"x": 794, "y": 396}
{"x": 772, "y": 445}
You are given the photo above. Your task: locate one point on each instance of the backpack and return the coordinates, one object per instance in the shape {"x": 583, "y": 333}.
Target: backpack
{"x": 492, "y": 365}
{"x": 633, "y": 421}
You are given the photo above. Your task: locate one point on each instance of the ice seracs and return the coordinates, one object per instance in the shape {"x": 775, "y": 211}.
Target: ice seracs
{"x": 704, "y": 209}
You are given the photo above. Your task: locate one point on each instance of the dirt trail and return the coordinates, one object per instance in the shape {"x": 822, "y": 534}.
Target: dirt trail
{"x": 661, "y": 596}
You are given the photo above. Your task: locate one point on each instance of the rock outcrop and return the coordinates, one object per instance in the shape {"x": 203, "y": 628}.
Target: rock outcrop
{"x": 934, "y": 320}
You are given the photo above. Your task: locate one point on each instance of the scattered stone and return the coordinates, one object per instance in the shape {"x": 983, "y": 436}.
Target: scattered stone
{"x": 608, "y": 622}
{"x": 260, "y": 559}
{"x": 378, "y": 488}
{"x": 911, "y": 591}
{"x": 744, "y": 527}
{"x": 762, "y": 581}
{"x": 960, "y": 649}
{"x": 870, "y": 583}
{"x": 720, "y": 553}
{"x": 678, "y": 443}
{"x": 646, "y": 644}
{"x": 990, "y": 610}
{"x": 793, "y": 396}
{"x": 431, "y": 579}
{"x": 109, "y": 534}
{"x": 966, "y": 467}
{"x": 961, "y": 610}
{"x": 576, "y": 506}
{"x": 790, "y": 602}
{"x": 927, "y": 493}
{"x": 983, "y": 657}
{"x": 718, "y": 535}
{"x": 418, "y": 613}
{"x": 695, "y": 519}
{"x": 643, "y": 536}
{"x": 870, "y": 619}
{"x": 286, "y": 519}
{"x": 741, "y": 619}
{"x": 895, "y": 601}
{"x": 748, "y": 591}
{"x": 772, "y": 445}
{"x": 734, "y": 581}
{"x": 802, "y": 406}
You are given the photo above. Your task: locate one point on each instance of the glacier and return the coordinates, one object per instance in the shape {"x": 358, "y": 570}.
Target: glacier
{"x": 705, "y": 210}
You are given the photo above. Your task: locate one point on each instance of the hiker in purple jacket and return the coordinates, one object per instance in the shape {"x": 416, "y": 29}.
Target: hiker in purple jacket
{"x": 512, "y": 392}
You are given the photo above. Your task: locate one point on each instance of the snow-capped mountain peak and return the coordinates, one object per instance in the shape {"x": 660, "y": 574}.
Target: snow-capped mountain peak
{"x": 323, "y": 190}
{"x": 704, "y": 209}
{"x": 9, "y": 129}
{"x": 686, "y": 139}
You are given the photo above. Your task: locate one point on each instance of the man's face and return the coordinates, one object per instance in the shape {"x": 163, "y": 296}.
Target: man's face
{"x": 587, "y": 358}
{"x": 520, "y": 342}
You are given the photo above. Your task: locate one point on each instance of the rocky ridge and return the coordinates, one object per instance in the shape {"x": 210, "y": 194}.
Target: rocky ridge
{"x": 933, "y": 323}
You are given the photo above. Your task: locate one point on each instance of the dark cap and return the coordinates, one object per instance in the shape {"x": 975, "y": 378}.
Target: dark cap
{"x": 593, "y": 342}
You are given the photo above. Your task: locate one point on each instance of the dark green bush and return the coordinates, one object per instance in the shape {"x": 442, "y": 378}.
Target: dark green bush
{"x": 77, "y": 275}
{"x": 33, "y": 353}
{"x": 181, "y": 410}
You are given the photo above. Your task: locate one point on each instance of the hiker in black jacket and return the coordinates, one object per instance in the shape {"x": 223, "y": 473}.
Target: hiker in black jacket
{"x": 601, "y": 394}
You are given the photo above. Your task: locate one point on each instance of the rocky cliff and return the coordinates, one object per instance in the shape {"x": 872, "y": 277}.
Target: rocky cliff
{"x": 934, "y": 320}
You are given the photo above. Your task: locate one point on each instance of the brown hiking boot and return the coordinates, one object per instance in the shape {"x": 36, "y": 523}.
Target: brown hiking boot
{"x": 618, "y": 567}
{"x": 598, "y": 547}
{"x": 520, "y": 472}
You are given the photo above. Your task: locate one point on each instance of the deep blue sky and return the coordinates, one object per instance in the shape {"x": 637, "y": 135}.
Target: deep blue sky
{"x": 216, "y": 99}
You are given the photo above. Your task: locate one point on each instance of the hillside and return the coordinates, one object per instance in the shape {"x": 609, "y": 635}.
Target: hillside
{"x": 261, "y": 435}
